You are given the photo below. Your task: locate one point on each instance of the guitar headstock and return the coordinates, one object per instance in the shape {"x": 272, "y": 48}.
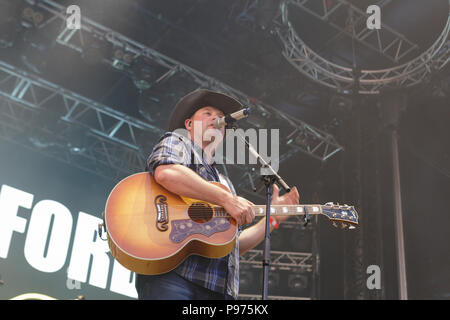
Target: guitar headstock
{"x": 343, "y": 215}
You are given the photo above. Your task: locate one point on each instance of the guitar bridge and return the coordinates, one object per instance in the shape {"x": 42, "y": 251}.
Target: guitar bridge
{"x": 162, "y": 213}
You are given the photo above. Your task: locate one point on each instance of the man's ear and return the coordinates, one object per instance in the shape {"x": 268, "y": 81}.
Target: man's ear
{"x": 188, "y": 123}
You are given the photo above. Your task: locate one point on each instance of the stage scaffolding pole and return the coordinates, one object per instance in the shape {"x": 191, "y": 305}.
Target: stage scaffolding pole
{"x": 399, "y": 235}
{"x": 394, "y": 104}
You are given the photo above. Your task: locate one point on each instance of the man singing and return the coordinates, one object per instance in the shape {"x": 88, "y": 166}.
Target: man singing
{"x": 183, "y": 164}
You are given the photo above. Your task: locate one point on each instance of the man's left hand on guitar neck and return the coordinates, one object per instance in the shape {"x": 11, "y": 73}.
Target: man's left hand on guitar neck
{"x": 251, "y": 237}
{"x": 291, "y": 197}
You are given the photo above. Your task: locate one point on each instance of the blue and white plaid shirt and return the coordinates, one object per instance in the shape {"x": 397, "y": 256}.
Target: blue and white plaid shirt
{"x": 222, "y": 274}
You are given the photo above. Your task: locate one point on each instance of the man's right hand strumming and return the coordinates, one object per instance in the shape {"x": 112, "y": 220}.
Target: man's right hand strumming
{"x": 185, "y": 182}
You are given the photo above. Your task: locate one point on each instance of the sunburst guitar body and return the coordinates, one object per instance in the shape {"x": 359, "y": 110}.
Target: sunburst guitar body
{"x": 152, "y": 230}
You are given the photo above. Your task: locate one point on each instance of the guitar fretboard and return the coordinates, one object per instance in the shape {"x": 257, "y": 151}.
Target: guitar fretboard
{"x": 281, "y": 210}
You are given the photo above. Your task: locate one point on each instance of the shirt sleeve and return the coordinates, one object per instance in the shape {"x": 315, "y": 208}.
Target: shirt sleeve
{"x": 170, "y": 149}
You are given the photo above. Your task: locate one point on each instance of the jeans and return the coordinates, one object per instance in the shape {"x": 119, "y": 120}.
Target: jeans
{"x": 171, "y": 286}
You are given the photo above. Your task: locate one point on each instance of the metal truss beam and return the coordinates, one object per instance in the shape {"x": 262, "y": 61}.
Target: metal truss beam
{"x": 280, "y": 259}
{"x": 387, "y": 41}
{"x": 110, "y": 136}
{"x": 74, "y": 39}
{"x": 343, "y": 79}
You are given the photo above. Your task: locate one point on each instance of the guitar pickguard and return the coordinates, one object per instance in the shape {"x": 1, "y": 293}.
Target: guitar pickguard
{"x": 181, "y": 229}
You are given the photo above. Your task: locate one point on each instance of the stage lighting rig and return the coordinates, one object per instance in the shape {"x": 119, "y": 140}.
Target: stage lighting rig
{"x": 143, "y": 73}
{"x": 297, "y": 283}
{"x": 121, "y": 59}
{"x": 390, "y": 44}
{"x": 31, "y": 17}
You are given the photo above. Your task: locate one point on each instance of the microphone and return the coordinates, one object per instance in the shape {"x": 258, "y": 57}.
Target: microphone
{"x": 230, "y": 118}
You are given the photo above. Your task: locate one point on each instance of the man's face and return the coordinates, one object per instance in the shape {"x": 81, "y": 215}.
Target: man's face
{"x": 201, "y": 125}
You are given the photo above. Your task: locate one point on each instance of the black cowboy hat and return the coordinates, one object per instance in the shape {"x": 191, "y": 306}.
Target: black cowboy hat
{"x": 197, "y": 99}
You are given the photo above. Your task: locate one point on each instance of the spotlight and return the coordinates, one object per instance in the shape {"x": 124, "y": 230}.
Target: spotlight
{"x": 35, "y": 56}
{"x": 40, "y": 142}
{"x": 274, "y": 283}
{"x": 249, "y": 279}
{"x": 302, "y": 140}
{"x": 8, "y": 33}
{"x": 121, "y": 59}
{"x": 266, "y": 12}
{"x": 297, "y": 283}
{"x": 143, "y": 72}
{"x": 32, "y": 17}
{"x": 258, "y": 118}
{"x": 274, "y": 279}
{"x": 77, "y": 139}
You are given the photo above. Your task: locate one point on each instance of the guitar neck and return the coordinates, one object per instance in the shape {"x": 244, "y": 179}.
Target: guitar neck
{"x": 280, "y": 210}
{"x": 288, "y": 210}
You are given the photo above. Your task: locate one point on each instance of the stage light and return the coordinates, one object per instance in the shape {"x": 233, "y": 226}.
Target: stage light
{"x": 265, "y": 13}
{"x": 297, "y": 283}
{"x": 143, "y": 72}
{"x": 35, "y": 54}
{"x": 77, "y": 138}
{"x": 258, "y": 118}
{"x": 274, "y": 279}
{"x": 121, "y": 59}
{"x": 40, "y": 142}
{"x": 248, "y": 278}
{"x": 32, "y": 16}
{"x": 302, "y": 140}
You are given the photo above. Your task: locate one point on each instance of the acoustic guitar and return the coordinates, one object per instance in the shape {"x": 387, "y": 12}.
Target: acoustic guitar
{"x": 151, "y": 230}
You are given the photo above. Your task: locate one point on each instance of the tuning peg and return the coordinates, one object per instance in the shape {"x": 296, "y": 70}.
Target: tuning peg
{"x": 343, "y": 225}
{"x": 335, "y": 224}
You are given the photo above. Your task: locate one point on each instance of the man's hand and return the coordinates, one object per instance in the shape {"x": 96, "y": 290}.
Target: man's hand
{"x": 240, "y": 209}
{"x": 291, "y": 197}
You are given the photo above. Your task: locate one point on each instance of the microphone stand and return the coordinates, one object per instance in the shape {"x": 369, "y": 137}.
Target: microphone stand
{"x": 269, "y": 180}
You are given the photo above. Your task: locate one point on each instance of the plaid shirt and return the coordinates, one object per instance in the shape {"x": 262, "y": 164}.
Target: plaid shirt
{"x": 222, "y": 274}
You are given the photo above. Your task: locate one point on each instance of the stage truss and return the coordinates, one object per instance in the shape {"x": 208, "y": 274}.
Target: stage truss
{"x": 113, "y": 135}
{"x": 388, "y": 43}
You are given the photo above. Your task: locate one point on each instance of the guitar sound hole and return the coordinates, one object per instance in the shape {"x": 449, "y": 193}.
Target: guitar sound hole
{"x": 200, "y": 212}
